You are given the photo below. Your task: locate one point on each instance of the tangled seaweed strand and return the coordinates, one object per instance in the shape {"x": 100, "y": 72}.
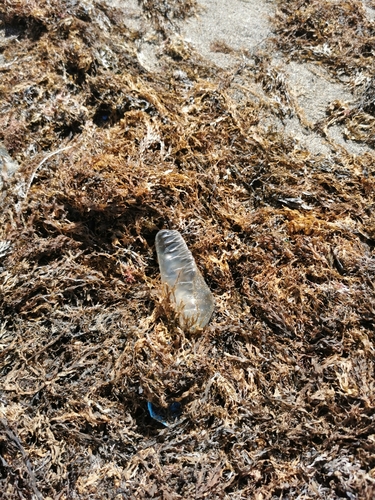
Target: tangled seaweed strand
{"x": 277, "y": 394}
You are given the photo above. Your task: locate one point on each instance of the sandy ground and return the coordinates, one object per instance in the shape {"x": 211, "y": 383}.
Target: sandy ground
{"x": 240, "y": 24}
{"x": 245, "y": 25}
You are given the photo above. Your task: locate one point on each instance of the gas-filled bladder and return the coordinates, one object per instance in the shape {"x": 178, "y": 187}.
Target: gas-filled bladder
{"x": 185, "y": 284}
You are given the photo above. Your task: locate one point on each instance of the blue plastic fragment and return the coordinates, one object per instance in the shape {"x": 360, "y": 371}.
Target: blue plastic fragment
{"x": 161, "y": 415}
{"x": 154, "y": 415}
{"x": 175, "y": 409}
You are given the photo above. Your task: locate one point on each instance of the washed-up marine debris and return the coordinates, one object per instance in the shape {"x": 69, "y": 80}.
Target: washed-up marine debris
{"x": 188, "y": 291}
{"x": 165, "y": 416}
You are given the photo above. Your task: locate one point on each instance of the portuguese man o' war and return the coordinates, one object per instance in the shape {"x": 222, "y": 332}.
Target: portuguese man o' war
{"x": 189, "y": 292}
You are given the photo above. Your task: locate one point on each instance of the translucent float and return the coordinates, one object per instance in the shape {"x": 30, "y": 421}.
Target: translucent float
{"x": 188, "y": 291}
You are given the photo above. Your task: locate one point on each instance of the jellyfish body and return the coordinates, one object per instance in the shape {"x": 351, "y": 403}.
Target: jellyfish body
{"x": 189, "y": 292}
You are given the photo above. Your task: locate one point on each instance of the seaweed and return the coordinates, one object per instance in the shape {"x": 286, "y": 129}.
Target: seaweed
{"x": 277, "y": 391}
